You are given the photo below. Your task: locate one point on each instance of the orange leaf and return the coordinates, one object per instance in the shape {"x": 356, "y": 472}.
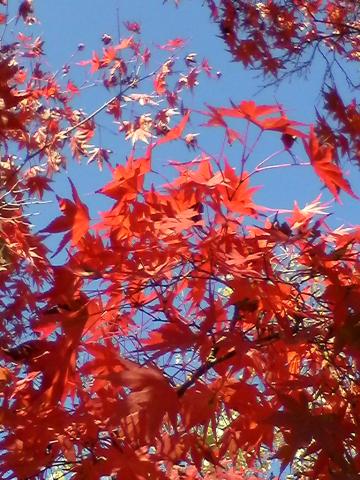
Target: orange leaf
{"x": 5, "y": 375}
{"x": 175, "y": 132}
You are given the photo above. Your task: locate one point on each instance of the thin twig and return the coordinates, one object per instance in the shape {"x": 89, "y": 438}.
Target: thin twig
{"x": 208, "y": 365}
{"x": 64, "y": 134}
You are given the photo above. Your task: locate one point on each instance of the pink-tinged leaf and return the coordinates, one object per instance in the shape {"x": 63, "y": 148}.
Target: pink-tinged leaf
{"x": 72, "y": 88}
{"x": 206, "y": 68}
{"x": 132, "y": 27}
{"x": 145, "y": 57}
{"x": 172, "y": 45}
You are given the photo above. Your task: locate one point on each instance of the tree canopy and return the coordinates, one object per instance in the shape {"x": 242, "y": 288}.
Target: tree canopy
{"x": 187, "y": 331}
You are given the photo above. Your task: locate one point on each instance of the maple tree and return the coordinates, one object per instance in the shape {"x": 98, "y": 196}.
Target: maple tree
{"x": 187, "y": 332}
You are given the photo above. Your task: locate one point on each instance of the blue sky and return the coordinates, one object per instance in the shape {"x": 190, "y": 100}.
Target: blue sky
{"x": 63, "y": 25}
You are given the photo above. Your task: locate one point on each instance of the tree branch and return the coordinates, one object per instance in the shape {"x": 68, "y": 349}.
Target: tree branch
{"x": 208, "y": 365}
{"x": 64, "y": 134}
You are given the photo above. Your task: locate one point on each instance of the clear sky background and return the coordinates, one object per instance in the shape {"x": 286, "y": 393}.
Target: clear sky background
{"x": 66, "y": 23}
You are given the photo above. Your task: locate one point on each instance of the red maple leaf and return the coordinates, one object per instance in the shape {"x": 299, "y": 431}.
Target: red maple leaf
{"x": 322, "y": 159}
{"x": 250, "y": 111}
{"x": 74, "y": 221}
{"x": 128, "y": 180}
{"x": 176, "y": 131}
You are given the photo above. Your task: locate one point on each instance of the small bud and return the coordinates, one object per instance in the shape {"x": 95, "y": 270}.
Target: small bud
{"x": 65, "y": 69}
{"x": 288, "y": 140}
{"x": 106, "y": 39}
{"x": 190, "y": 59}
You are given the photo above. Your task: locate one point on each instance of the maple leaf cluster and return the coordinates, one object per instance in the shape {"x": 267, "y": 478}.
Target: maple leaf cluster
{"x": 284, "y": 38}
{"x": 185, "y": 332}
